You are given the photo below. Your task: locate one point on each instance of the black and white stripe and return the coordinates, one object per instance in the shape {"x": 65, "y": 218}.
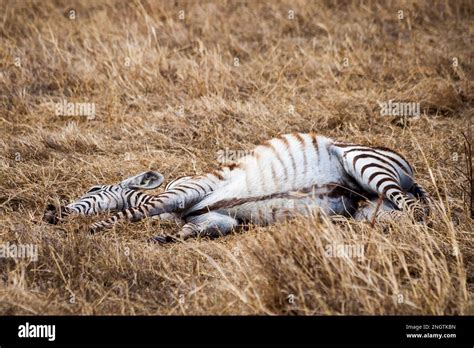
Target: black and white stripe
{"x": 293, "y": 168}
{"x": 110, "y": 198}
{"x": 383, "y": 172}
{"x": 107, "y": 198}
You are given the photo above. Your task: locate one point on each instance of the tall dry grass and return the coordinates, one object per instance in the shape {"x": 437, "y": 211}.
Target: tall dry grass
{"x": 169, "y": 95}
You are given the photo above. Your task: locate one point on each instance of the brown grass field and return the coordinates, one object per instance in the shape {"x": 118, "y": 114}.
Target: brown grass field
{"x": 169, "y": 94}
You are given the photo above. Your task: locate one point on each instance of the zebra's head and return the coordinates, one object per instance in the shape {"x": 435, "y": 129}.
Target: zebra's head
{"x": 108, "y": 198}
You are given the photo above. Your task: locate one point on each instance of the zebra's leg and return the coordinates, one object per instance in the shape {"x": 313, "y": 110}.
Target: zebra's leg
{"x": 403, "y": 201}
{"x": 168, "y": 217}
{"x": 154, "y": 208}
{"x": 381, "y": 172}
{"x": 175, "y": 200}
{"x": 210, "y": 224}
{"x": 419, "y": 192}
{"x": 386, "y": 184}
{"x": 377, "y": 210}
{"x": 389, "y": 189}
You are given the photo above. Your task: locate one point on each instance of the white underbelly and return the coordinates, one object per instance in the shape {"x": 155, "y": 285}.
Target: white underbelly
{"x": 272, "y": 210}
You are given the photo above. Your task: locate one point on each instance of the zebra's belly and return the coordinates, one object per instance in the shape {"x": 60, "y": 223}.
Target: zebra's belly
{"x": 273, "y": 210}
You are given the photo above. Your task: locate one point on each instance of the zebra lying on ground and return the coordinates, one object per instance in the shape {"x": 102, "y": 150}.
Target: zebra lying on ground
{"x": 287, "y": 176}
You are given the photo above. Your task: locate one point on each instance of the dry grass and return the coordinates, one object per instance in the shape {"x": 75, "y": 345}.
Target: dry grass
{"x": 180, "y": 100}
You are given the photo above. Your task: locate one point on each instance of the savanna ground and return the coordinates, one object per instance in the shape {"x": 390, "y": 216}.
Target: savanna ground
{"x": 171, "y": 89}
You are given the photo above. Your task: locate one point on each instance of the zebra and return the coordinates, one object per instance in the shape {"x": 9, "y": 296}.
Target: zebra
{"x": 290, "y": 175}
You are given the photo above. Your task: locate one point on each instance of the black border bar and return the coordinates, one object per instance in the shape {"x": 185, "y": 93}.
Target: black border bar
{"x": 225, "y": 330}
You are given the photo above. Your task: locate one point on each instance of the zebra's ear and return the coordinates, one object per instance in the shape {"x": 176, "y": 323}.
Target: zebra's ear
{"x": 144, "y": 181}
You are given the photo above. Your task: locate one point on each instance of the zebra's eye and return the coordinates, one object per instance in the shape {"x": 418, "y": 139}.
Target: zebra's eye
{"x": 94, "y": 188}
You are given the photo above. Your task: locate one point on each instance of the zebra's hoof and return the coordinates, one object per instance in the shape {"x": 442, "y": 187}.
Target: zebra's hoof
{"x": 50, "y": 214}
{"x": 93, "y": 229}
{"x": 419, "y": 215}
{"x": 162, "y": 239}
{"x": 53, "y": 215}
